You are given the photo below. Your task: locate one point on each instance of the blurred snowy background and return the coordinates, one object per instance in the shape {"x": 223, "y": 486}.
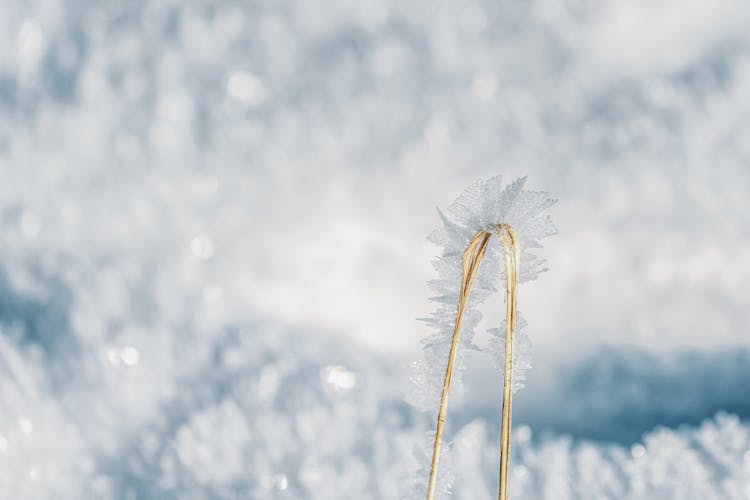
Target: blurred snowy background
{"x": 213, "y": 219}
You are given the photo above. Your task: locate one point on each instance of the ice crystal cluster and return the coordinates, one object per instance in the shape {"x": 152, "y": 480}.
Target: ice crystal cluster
{"x": 711, "y": 462}
{"x": 482, "y": 206}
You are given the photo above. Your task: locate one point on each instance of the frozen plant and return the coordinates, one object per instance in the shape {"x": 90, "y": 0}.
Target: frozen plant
{"x": 468, "y": 270}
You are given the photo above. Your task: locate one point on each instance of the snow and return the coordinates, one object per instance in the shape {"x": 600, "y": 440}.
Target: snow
{"x": 212, "y": 225}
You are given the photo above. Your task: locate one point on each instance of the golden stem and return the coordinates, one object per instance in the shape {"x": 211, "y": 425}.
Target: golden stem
{"x": 512, "y": 258}
{"x": 471, "y": 259}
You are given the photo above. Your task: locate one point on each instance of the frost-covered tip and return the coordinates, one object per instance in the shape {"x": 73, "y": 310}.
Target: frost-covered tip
{"x": 481, "y": 207}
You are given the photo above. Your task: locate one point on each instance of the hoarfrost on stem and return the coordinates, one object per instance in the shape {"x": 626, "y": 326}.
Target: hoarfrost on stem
{"x": 482, "y": 206}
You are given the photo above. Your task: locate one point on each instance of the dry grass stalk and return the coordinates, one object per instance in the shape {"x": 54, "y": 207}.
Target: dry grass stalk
{"x": 512, "y": 264}
{"x": 472, "y": 259}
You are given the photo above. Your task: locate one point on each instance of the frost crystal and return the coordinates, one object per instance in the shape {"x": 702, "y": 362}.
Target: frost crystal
{"x": 482, "y": 206}
{"x": 521, "y": 352}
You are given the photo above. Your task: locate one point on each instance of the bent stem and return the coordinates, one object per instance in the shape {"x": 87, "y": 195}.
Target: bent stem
{"x": 472, "y": 258}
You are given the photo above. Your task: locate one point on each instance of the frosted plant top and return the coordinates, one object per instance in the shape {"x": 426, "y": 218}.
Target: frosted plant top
{"x": 487, "y": 203}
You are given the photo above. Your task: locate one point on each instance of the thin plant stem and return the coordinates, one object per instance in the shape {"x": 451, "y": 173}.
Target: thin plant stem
{"x": 512, "y": 259}
{"x": 471, "y": 259}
